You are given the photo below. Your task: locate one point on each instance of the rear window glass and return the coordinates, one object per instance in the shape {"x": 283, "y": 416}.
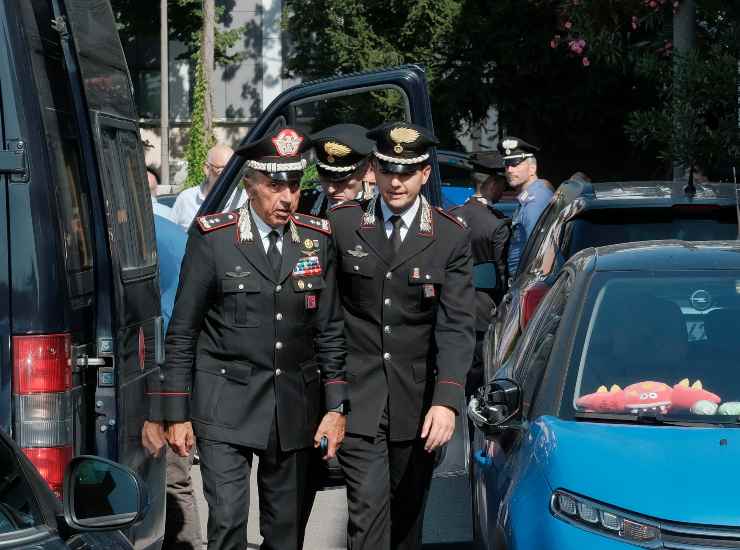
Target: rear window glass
{"x": 605, "y": 227}
{"x": 61, "y": 136}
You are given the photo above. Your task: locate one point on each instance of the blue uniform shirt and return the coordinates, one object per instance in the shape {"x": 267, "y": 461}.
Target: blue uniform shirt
{"x": 532, "y": 201}
{"x": 171, "y": 241}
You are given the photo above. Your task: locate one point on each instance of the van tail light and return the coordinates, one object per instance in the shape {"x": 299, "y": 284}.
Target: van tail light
{"x": 530, "y": 300}
{"x": 42, "y": 383}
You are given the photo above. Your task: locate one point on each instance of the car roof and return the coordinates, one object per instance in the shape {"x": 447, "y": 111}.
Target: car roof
{"x": 664, "y": 255}
{"x": 626, "y": 194}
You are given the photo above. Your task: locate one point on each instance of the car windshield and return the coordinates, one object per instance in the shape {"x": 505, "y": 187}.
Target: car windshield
{"x": 661, "y": 344}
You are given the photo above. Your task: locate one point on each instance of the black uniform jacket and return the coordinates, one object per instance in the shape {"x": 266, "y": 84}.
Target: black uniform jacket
{"x": 243, "y": 342}
{"x": 489, "y": 239}
{"x": 409, "y": 317}
{"x": 313, "y": 202}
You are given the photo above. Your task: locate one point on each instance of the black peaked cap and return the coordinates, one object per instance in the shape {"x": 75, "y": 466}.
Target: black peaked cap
{"x": 401, "y": 147}
{"x": 279, "y": 153}
{"x": 341, "y": 149}
{"x": 513, "y": 147}
{"x": 487, "y": 162}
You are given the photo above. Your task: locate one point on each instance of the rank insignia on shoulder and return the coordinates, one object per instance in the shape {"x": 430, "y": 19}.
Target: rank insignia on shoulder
{"x": 319, "y": 224}
{"x": 451, "y": 217}
{"x": 216, "y": 221}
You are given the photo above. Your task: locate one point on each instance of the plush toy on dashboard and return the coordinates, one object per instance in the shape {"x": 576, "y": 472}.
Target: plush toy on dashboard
{"x": 647, "y": 396}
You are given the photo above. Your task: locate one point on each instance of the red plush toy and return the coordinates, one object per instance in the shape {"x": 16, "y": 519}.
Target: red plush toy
{"x": 647, "y": 396}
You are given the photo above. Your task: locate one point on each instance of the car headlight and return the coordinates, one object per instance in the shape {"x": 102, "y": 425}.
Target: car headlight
{"x": 592, "y": 516}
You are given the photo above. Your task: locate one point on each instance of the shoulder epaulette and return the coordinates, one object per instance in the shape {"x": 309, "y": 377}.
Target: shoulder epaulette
{"x": 457, "y": 221}
{"x": 216, "y": 221}
{"x": 319, "y": 224}
{"x": 344, "y": 204}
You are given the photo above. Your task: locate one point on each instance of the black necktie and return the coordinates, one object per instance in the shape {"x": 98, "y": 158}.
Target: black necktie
{"x": 273, "y": 254}
{"x": 395, "y": 237}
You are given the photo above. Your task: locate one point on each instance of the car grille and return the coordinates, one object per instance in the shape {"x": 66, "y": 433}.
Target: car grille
{"x": 678, "y": 536}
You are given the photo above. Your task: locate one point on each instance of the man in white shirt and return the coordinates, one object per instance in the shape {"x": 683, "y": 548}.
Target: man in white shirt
{"x": 190, "y": 200}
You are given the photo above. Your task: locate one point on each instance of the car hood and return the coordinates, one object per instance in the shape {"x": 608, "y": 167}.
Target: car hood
{"x": 682, "y": 474}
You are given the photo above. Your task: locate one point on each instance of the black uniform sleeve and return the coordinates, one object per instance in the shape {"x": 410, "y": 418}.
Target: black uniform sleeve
{"x": 194, "y": 294}
{"x": 454, "y": 330}
{"x": 330, "y": 343}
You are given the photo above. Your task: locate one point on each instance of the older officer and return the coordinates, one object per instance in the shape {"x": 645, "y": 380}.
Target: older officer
{"x": 406, "y": 288}
{"x": 256, "y": 328}
{"x": 342, "y": 162}
{"x": 534, "y": 194}
{"x": 489, "y": 235}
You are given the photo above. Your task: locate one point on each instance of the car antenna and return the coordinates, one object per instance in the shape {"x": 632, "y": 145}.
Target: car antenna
{"x": 690, "y": 188}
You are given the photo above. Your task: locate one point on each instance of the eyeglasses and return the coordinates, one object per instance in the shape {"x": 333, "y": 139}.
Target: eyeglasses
{"x": 217, "y": 169}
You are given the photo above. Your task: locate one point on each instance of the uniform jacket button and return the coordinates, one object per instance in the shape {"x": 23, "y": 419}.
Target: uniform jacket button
{"x": 278, "y": 288}
{"x": 388, "y": 275}
{"x": 223, "y": 371}
{"x": 356, "y": 267}
{"x": 387, "y": 356}
{"x": 387, "y": 301}
{"x": 278, "y": 372}
{"x": 278, "y": 345}
{"x": 279, "y": 316}
{"x": 241, "y": 287}
{"x": 387, "y": 329}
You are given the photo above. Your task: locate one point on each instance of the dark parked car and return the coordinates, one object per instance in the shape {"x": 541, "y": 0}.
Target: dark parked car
{"x": 582, "y": 215}
{"x": 614, "y": 422}
{"x": 101, "y": 497}
{"x": 80, "y": 323}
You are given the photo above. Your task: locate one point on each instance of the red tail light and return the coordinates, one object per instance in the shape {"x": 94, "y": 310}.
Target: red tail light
{"x": 42, "y": 380}
{"x": 530, "y": 300}
{"x": 51, "y": 462}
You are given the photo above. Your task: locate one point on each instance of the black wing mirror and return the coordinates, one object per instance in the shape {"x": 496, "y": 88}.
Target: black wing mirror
{"x": 497, "y": 406}
{"x": 100, "y": 495}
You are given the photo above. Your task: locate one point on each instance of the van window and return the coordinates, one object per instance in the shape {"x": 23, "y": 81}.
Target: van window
{"x": 128, "y": 205}
{"x": 62, "y": 140}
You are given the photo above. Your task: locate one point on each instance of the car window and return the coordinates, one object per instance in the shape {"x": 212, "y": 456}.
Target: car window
{"x": 611, "y": 226}
{"x": 62, "y": 139}
{"x": 128, "y": 206}
{"x": 18, "y": 509}
{"x": 539, "y": 234}
{"x": 661, "y": 343}
{"x": 537, "y": 345}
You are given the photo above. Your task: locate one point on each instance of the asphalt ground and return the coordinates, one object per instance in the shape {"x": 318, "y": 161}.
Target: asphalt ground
{"x": 327, "y": 524}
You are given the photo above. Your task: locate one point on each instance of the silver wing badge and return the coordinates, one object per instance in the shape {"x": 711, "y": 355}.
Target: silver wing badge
{"x": 357, "y": 253}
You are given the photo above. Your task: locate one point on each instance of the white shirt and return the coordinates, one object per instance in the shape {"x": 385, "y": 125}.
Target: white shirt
{"x": 407, "y": 217}
{"x": 160, "y": 209}
{"x": 264, "y": 230}
{"x": 187, "y": 205}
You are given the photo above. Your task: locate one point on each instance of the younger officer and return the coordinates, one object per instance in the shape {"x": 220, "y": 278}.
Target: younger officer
{"x": 489, "y": 235}
{"x": 256, "y": 328}
{"x": 342, "y": 161}
{"x": 534, "y": 194}
{"x": 406, "y": 289}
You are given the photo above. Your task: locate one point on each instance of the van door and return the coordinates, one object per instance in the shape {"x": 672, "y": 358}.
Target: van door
{"x": 129, "y": 327}
{"x": 369, "y": 99}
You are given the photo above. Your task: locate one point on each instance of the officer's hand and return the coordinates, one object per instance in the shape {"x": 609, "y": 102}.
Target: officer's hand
{"x": 332, "y": 426}
{"x": 152, "y": 437}
{"x": 181, "y": 438}
{"x": 439, "y": 425}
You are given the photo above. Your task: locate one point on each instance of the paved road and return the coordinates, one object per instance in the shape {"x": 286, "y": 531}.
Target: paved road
{"x": 326, "y": 526}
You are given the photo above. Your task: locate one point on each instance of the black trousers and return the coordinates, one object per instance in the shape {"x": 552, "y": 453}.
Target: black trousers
{"x": 282, "y": 482}
{"x": 387, "y": 487}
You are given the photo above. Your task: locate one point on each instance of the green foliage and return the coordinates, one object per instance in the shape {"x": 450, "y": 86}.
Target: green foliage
{"x": 136, "y": 17}
{"x": 197, "y": 150}
{"x": 310, "y": 178}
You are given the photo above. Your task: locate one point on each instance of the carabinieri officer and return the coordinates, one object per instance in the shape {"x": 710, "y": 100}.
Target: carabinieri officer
{"x": 255, "y": 338}
{"x": 534, "y": 194}
{"x": 405, "y": 282}
{"x": 343, "y": 164}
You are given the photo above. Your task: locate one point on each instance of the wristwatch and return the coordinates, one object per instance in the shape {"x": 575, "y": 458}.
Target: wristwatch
{"x": 342, "y": 408}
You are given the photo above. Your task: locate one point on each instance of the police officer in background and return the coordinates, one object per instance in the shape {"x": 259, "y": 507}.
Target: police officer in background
{"x": 255, "y": 333}
{"x": 406, "y": 288}
{"x": 534, "y": 194}
{"x": 343, "y": 164}
{"x": 489, "y": 236}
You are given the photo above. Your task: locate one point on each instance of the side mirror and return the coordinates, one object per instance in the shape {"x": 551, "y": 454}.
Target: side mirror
{"x": 100, "y": 495}
{"x": 496, "y": 407}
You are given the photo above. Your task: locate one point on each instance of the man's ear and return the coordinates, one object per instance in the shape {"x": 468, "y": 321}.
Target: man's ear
{"x": 205, "y": 169}
{"x": 426, "y": 172}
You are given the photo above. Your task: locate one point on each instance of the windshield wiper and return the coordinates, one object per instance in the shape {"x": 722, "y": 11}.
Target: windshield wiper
{"x": 658, "y": 419}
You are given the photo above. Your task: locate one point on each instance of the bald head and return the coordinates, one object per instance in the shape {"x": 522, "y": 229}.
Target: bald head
{"x": 218, "y": 157}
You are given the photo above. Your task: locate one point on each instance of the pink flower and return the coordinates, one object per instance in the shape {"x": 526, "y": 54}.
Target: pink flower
{"x": 585, "y": 62}
{"x": 553, "y": 43}
{"x": 653, "y": 4}
{"x": 634, "y": 23}
{"x": 568, "y": 25}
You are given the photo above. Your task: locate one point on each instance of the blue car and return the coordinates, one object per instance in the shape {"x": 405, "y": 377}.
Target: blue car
{"x": 615, "y": 422}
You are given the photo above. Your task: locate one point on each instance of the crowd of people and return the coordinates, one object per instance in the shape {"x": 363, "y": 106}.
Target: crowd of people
{"x": 332, "y": 323}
